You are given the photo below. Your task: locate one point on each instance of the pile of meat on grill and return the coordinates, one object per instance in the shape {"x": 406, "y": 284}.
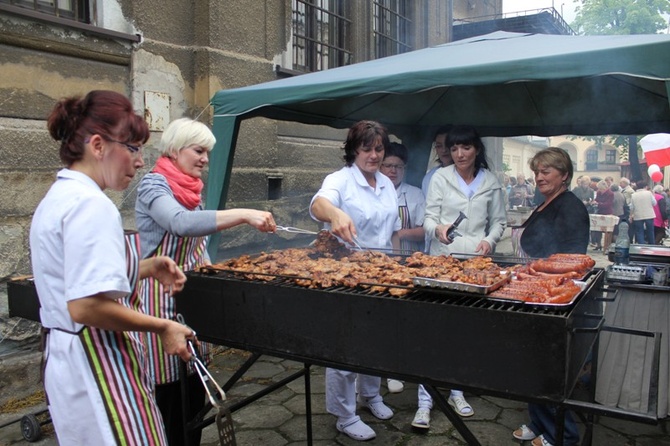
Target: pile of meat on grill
{"x": 550, "y": 280}
{"x": 328, "y": 263}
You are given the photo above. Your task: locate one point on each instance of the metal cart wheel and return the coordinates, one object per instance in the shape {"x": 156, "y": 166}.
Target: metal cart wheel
{"x": 30, "y": 428}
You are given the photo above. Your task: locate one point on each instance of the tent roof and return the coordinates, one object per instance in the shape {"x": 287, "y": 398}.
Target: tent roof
{"x": 503, "y": 83}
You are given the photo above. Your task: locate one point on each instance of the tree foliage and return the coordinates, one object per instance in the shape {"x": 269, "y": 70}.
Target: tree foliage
{"x": 623, "y": 17}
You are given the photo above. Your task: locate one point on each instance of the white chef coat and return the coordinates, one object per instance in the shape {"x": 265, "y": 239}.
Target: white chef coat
{"x": 374, "y": 211}
{"x": 75, "y": 223}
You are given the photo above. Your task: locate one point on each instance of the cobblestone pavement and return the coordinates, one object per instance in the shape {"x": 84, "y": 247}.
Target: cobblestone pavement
{"x": 278, "y": 418}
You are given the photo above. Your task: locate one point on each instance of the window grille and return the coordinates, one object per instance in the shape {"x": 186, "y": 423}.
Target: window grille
{"x": 591, "y": 159}
{"x": 392, "y": 27}
{"x": 610, "y": 156}
{"x": 77, "y": 10}
{"x": 320, "y": 34}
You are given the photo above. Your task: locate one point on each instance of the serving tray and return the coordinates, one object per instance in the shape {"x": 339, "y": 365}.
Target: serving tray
{"x": 460, "y": 286}
{"x": 551, "y": 305}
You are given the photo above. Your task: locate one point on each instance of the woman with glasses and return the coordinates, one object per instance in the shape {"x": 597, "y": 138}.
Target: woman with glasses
{"x": 172, "y": 222}
{"x": 358, "y": 201}
{"x": 411, "y": 202}
{"x": 95, "y": 372}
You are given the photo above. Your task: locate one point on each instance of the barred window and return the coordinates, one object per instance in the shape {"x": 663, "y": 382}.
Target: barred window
{"x": 320, "y": 34}
{"x": 77, "y": 10}
{"x": 392, "y": 27}
{"x": 591, "y": 159}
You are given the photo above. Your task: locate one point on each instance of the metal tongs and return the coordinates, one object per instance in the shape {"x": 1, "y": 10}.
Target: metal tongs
{"x": 452, "y": 232}
{"x": 216, "y": 395}
{"x": 293, "y": 230}
{"x": 357, "y": 244}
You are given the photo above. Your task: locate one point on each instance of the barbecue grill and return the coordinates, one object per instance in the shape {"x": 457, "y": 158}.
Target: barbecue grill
{"x": 542, "y": 347}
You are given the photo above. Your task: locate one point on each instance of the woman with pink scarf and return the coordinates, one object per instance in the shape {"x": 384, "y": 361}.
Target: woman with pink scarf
{"x": 172, "y": 222}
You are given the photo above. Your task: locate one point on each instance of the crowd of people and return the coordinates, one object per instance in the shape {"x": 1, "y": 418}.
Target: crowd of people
{"x": 106, "y": 295}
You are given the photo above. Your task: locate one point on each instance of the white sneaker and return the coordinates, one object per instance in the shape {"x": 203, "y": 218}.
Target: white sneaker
{"x": 461, "y": 406}
{"x": 394, "y": 385}
{"x": 422, "y": 418}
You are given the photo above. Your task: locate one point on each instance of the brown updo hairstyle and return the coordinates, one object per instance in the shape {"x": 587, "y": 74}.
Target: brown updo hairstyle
{"x": 101, "y": 112}
{"x": 363, "y": 133}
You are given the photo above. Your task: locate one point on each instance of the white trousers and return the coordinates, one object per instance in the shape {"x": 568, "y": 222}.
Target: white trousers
{"x": 426, "y": 401}
{"x": 341, "y": 392}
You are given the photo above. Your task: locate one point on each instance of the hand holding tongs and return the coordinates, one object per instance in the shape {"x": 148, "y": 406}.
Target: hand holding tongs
{"x": 295, "y": 230}
{"x": 208, "y": 381}
{"x": 224, "y": 420}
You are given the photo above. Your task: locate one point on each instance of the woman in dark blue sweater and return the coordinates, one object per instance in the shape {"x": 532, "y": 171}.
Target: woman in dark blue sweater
{"x": 560, "y": 224}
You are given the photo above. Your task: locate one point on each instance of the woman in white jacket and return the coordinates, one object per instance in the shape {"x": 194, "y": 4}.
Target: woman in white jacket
{"x": 466, "y": 186}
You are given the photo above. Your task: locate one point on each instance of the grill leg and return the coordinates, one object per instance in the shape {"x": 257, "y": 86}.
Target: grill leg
{"x": 453, "y": 417}
{"x": 308, "y": 403}
{"x": 242, "y": 370}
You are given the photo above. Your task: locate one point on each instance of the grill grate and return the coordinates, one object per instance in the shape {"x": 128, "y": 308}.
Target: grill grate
{"x": 432, "y": 295}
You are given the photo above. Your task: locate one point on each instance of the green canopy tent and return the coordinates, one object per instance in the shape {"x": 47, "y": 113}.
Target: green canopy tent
{"x": 505, "y": 84}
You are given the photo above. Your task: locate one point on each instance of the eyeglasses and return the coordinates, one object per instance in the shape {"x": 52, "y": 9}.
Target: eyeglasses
{"x": 393, "y": 166}
{"x": 131, "y": 148}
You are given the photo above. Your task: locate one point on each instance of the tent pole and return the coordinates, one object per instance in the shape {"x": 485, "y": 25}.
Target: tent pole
{"x": 225, "y": 131}
{"x": 635, "y": 173}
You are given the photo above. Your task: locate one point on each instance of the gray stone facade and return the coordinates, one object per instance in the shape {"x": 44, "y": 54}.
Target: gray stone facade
{"x": 181, "y": 55}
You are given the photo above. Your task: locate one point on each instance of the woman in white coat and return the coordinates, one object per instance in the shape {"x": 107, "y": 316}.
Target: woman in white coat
{"x": 95, "y": 373}
{"x": 358, "y": 202}
{"x": 466, "y": 186}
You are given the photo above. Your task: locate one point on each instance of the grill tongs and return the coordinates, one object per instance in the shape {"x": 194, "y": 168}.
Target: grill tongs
{"x": 452, "y": 232}
{"x": 293, "y": 230}
{"x": 216, "y": 395}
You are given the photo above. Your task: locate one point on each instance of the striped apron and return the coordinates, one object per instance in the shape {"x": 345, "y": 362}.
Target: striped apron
{"x": 119, "y": 364}
{"x": 189, "y": 254}
{"x": 406, "y": 221}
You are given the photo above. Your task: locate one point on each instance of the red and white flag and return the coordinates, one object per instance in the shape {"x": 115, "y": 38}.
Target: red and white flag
{"x": 656, "y": 148}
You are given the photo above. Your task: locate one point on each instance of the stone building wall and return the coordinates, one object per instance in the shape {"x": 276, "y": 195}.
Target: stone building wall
{"x": 186, "y": 51}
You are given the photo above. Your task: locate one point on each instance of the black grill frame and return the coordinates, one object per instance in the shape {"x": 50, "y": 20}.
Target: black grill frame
{"x": 410, "y": 338}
